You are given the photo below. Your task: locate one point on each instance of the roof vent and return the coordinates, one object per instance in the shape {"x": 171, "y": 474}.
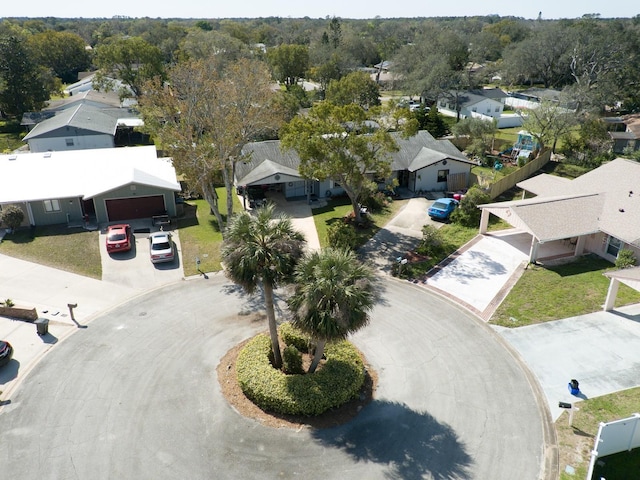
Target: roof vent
{"x": 621, "y": 210}
{"x": 47, "y": 154}
{"x": 13, "y": 157}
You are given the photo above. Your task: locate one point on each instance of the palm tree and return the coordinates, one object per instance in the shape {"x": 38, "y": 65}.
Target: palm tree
{"x": 262, "y": 250}
{"x": 333, "y": 296}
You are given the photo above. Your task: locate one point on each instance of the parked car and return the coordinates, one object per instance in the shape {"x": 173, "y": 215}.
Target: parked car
{"x": 119, "y": 238}
{"x": 161, "y": 247}
{"x": 441, "y": 209}
{"x": 6, "y": 352}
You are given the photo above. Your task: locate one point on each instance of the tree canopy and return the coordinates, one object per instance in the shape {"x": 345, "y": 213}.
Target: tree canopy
{"x": 343, "y": 143}
{"x": 131, "y": 60}
{"x": 262, "y": 251}
{"x": 205, "y": 115}
{"x": 334, "y": 293}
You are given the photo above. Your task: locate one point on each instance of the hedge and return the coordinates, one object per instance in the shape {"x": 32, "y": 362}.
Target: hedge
{"x": 339, "y": 380}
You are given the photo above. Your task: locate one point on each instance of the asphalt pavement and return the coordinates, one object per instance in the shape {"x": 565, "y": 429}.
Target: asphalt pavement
{"x": 135, "y": 395}
{"x": 595, "y": 349}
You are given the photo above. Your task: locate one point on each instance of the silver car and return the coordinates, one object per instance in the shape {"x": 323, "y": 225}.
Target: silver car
{"x": 161, "y": 247}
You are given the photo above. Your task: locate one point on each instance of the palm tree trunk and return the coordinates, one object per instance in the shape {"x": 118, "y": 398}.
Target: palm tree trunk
{"x": 273, "y": 328}
{"x": 317, "y": 356}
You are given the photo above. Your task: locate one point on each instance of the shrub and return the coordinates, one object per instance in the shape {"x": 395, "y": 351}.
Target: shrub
{"x": 376, "y": 202}
{"x": 342, "y": 235}
{"x": 431, "y": 243}
{"x": 626, "y": 259}
{"x": 291, "y": 335}
{"x": 468, "y": 214}
{"x": 292, "y": 361}
{"x": 12, "y": 216}
{"x": 338, "y": 381}
{"x": 8, "y": 303}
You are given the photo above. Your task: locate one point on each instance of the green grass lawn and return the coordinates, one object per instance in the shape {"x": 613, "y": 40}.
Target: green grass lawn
{"x": 576, "y": 442}
{"x": 549, "y": 293}
{"x": 71, "y": 249}
{"x": 10, "y": 136}
{"x": 200, "y": 236}
{"x": 338, "y": 208}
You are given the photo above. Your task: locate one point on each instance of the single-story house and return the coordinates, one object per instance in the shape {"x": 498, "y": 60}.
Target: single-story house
{"x": 484, "y": 104}
{"x": 422, "y": 163}
{"x": 624, "y": 133}
{"x": 103, "y": 185}
{"x": 80, "y": 128}
{"x": 598, "y": 212}
{"x": 488, "y": 102}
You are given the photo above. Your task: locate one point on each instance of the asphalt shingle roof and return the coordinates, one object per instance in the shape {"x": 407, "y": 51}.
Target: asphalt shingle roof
{"x": 605, "y": 199}
{"x": 416, "y": 152}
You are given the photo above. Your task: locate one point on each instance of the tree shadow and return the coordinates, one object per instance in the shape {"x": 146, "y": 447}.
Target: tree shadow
{"x": 412, "y": 444}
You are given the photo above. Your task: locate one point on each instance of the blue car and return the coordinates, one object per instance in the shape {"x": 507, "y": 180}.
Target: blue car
{"x": 441, "y": 209}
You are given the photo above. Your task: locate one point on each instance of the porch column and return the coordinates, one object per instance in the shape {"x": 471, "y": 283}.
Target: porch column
{"x": 533, "y": 252}
{"x": 612, "y": 293}
{"x": 582, "y": 239}
{"x": 484, "y": 221}
{"x": 30, "y": 214}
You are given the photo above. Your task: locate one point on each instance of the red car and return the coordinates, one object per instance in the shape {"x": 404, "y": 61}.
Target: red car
{"x": 119, "y": 238}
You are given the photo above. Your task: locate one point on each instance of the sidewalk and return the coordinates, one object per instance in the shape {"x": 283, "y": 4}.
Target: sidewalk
{"x": 49, "y": 290}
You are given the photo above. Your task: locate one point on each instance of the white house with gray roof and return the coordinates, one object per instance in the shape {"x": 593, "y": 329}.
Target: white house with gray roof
{"x": 106, "y": 185}
{"x": 422, "y": 163}
{"x": 598, "y": 212}
{"x": 80, "y": 128}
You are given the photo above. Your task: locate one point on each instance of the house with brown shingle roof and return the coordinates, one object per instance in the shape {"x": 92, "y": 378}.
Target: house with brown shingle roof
{"x": 598, "y": 212}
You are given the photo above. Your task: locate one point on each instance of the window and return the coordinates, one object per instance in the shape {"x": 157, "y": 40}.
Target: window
{"x": 613, "y": 246}
{"x": 69, "y": 142}
{"x": 51, "y": 206}
{"x": 442, "y": 175}
{"x": 497, "y": 109}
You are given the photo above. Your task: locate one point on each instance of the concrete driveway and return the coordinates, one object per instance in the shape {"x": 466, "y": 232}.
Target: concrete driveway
{"x": 134, "y": 269}
{"x": 599, "y": 349}
{"x": 135, "y": 395}
{"x": 402, "y": 234}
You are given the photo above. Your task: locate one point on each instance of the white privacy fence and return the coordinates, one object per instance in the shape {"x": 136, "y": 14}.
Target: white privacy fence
{"x": 615, "y": 437}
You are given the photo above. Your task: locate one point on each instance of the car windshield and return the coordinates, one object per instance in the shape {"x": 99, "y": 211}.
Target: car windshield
{"x": 440, "y": 206}
{"x": 160, "y": 246}
{"x": 116, "y": 237}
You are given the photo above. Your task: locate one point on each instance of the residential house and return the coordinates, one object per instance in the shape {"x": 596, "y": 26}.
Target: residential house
{"x": 485, "y": 102}
{"x": 93, "y": 98}
{"x": 624, "y": 132}
{"x": 598, "y": 212}
{"x": 81, "y": 127}
{"x": 103, "y": 185}
{"x": 422, "y": 163}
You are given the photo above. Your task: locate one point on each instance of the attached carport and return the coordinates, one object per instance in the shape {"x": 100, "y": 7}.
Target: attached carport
{"x": 549, "y": 219}
{"x": 628, "y": 276}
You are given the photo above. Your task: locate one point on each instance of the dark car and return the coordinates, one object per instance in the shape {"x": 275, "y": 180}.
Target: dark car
{"x": 119, "y": 238}
{"x": 441, "y": 209}
{"x": 6, "y": 352}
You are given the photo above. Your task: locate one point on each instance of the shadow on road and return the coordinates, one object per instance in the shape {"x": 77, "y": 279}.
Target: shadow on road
{"x": 414, "y": 445}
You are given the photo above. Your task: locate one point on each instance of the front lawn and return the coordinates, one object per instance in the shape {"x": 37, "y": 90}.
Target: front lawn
{"x": 338, "y": 208}
{"x": 200, "y": 236}
{"x": 548, "y": 293}
{"x": 72, "y": 249}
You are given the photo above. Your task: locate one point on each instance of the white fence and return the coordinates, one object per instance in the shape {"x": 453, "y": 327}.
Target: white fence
{"x": 615, "y": 437}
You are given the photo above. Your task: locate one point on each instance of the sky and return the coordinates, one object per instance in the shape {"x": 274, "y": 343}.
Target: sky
{"x": 550, "y": 9}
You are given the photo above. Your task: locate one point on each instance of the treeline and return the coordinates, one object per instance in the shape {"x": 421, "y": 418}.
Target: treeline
{"x": 595, "y": 60}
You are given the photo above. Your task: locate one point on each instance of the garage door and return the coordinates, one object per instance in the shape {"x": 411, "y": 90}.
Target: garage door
{"x": 134, "y": 207}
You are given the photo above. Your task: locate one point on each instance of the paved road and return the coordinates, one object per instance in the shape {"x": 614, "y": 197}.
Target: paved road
{"x": 135, "y": 395}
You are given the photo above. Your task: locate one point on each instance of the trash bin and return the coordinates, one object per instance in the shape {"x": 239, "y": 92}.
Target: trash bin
{"x": 42, "y": 326}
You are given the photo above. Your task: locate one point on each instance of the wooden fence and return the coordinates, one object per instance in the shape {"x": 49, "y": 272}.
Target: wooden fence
{"x": 522, "y": 173}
